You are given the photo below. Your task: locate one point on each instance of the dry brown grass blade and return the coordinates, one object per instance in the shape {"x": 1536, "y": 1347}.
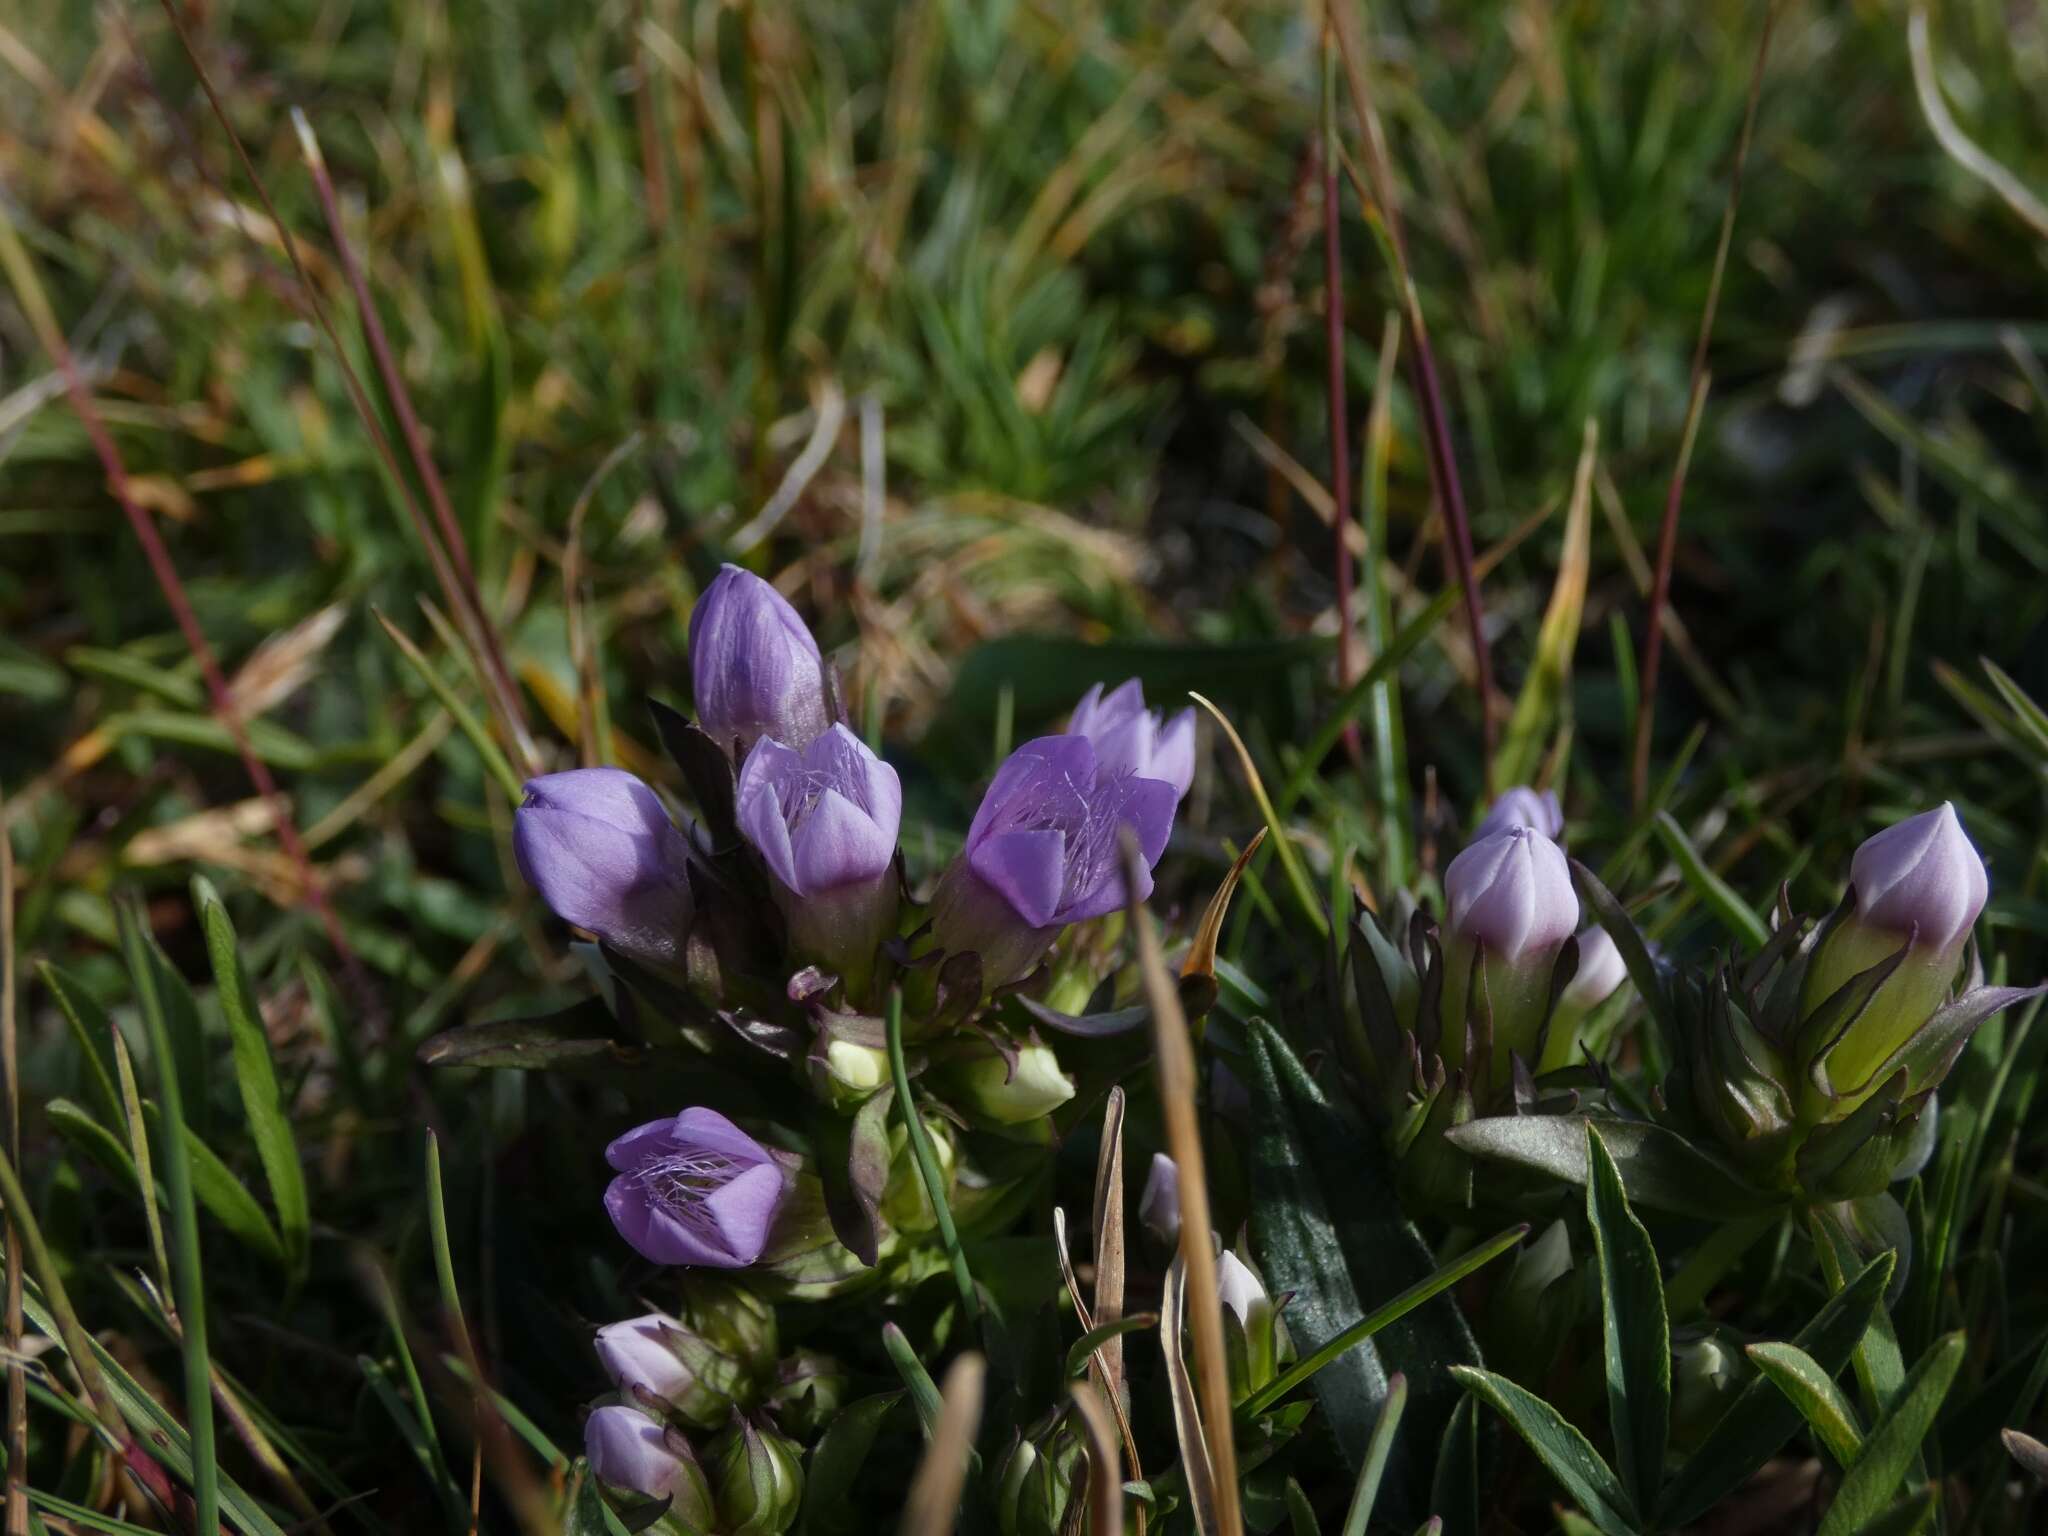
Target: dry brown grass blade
{"x": 1180, "y": 1390}
{"x": 1201, "y": 956}
{"x": 1109, "y": 1238}
{"x": 1105, "y": 1472}
{"x": 934, "y": 1502}
{"x": 1175, "y": 1061}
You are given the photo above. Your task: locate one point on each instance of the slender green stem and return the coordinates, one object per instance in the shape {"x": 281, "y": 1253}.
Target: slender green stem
{"x": 1373, "y": 1322}
{"x": 177, "y": 1161}
{"x": 927, "y": 1162}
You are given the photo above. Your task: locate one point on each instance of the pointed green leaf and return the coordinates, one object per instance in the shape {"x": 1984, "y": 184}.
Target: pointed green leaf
{"x": 1634, "y": 1325}
{"x": 1454, "y": 1490}
{"x": 1893, "y": 1446}
{"x": 834, "y": 1467}
{"x": 1577, "y": 1467}
{"x": 226, "y": 1198}
{"x": 1659, "y": 1168}
{"x": 1760, "y": 1420}
{"x": 1813, "y": 1392}
{"x": 270, "y": 1126}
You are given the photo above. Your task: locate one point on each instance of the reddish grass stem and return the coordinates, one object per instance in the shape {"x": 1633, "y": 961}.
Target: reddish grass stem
{"x": 1340, "y": 433}
{"x": 44, "y": 322}
{"x": 1443, "y": 462}
{"x": 1667, "y": 534}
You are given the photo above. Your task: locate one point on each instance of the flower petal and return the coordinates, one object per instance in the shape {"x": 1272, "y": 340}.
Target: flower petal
{"x": 1027, "y": 868}
{"x": 838, "y": 844}
{"x": 744, "y": 1210}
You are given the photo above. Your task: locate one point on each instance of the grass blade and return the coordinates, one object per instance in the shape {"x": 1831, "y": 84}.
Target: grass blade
{"x": 927, "y": 1162}
{"x": 184, "y": 1214}
{"x": 1720, "y": 898}
{"x": 1376, "y": 1454}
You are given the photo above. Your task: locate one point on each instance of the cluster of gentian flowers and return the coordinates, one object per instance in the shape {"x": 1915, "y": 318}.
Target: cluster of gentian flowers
{"x": 1806, "y": 1066}
{"x": 801, "y": 810}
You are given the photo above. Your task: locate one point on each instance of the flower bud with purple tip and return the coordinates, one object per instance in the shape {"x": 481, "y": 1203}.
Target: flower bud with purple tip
{"x": 755, "y": 668}
{"x": 638, "y": 1454}
{"x": 655, "y": 1361}
{"x": 1510, "y": 908}
{"x": 1129, "y": 738}
{"x": 694, "y": 1190}
{"x": 598, "y": 847}
{"x": 824, "y": 821}
{"x": 1522, "y": 807}
{"x": 1043, "y": 852}
{"x": 1917, "y": 886}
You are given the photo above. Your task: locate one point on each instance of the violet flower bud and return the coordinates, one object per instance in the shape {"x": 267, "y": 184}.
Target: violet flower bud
{"x": 1510, "y": 907}
{"x": 1522, "y": 807}
{"x": 636, "y": 1355}
{"x": 629, "y": 1450}
{"x": 598, "y": 847}
{"x": 658, "y": 1357}
{"x": 1258, "y": 1343}
{"x": 824, "y": 821}
{"x": 1129, "y": 738}
{"x": 694, "y": 1190}
{"x": 1919, "y": 885}
{"x": 1240, "y": 1291}
{"x": 1159, "y": 1206}
{"x": 1042, "y": 853}
{"x": 754, "y": 666}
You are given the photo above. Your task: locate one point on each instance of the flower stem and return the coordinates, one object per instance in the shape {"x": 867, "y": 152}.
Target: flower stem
{"x": 927, "y": 1162}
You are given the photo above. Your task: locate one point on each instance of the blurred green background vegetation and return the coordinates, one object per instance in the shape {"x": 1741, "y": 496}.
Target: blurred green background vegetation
{"x": 993, "y": 327}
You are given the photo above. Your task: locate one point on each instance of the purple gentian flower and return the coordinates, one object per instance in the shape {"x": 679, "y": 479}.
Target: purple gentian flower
{"x": 1042, "y": 853}
{"x": 630, "y": 1450}
{"x": 755, "y": 668}
{"x": 597, "y": 845}
{"x": 1129, "y": 738}
{"x": 1522, "y": 807}
{"x": 824, "y": 821}
{"x": 694, "y": 1190}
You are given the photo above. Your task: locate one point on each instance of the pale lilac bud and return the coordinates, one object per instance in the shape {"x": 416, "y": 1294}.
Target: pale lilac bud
{"x": 1240, "y": 1290}
{"x": 1512, "y": 894}
{"x": 629, "y": 1450}
{"x": 694, "y": 1190}
{"x": 1511, "y": 907}
{"x": 1159, "y": 1206}
{"x": 1921, "y": 877}
{"x": 1522, "y": 807}
{"x": 824, "y": 821}
{"x": 597, "y": 845}
{"x": 1042, "y": 853}
{"x": 1917, "y": 886}
{"x": 1600, "y": 974}
{"x": 637, "y": 1357}
{"x": 755, "y": 668}
{"x": 1129, "y": 738}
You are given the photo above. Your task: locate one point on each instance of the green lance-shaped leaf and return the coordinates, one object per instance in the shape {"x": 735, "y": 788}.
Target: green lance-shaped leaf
{"x": 1760, "y": 1420}
{"x": 1454, "y": 1488}
{"x": 1634, "y": 1326}
{"x": 1659, "y": 1168}
{"x": 1813, "y": 1392}
{"x": 1893, "y": 1445}
{"x": 1376, "y": 1454}
{"x": 835, "y": 1464}
{"x": 270, "y": 1127}
{"x": 1327, "y": 1229}
{"x": 1578, "y": 1468}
